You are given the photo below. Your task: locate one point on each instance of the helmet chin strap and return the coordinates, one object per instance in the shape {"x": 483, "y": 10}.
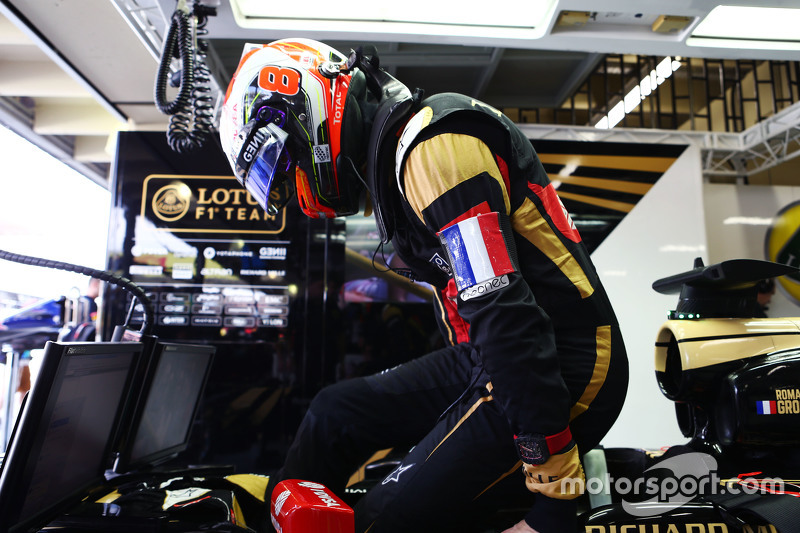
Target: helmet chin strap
{"x": 369, "y": 196}
{"x": 385, "y": 107}
{"x": 368, "y": 199}
{"x": 367, "y": 204}
{"x": 355, "y": 171}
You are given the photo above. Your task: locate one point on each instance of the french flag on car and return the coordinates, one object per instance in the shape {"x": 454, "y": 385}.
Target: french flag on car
{"x": 766, "y": 407}
{"x": 478, "y": 249}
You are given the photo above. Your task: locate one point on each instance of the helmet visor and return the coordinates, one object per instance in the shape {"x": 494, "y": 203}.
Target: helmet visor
{"x": 263, "y": 163}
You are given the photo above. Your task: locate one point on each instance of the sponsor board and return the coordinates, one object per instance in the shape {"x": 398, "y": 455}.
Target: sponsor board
{"x": 205, "y": 204}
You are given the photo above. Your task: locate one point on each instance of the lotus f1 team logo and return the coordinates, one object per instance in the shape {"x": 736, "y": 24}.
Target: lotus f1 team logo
{"x": 171, "y": 202}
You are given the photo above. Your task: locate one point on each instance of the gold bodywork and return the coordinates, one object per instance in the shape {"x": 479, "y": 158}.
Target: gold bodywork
{"x": 711, "y": 341}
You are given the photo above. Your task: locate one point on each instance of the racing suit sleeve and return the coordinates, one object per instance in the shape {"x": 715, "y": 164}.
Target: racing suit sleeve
{"x": 458, "y": 189}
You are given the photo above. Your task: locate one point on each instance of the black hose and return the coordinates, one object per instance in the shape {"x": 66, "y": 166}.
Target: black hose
{"x": 192, "y": 111}
{"x": 179, "y": 35}
{"x": 192, "y": 125}
{"x": 102, "y": 275}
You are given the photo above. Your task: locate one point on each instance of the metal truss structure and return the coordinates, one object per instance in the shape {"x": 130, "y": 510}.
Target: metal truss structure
{"x": 767, "y": 144}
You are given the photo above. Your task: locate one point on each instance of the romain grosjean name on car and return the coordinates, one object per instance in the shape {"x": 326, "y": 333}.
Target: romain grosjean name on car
{"x": 786, "y": 402}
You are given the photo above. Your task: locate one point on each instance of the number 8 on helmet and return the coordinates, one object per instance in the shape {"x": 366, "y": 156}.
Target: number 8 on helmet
{"x": 291, "y": 124}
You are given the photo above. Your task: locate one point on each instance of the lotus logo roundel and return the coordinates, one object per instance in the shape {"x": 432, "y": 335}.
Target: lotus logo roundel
{"x": 782, "y": 245}
{"x": 171, "y": 202}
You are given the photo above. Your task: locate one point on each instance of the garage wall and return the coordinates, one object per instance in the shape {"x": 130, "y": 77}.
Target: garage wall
{"x": 737, "y": 219}
{"x": 661, "y": 236}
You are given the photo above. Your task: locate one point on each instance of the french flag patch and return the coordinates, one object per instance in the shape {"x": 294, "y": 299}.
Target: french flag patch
{"x": 478, "y": 250}
{"x": 766, "y": 407}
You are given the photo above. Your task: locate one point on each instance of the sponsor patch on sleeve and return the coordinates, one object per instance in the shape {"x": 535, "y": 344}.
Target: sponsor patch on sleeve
{"x": 484, "y": 287}
{"x": 480, "y": 255}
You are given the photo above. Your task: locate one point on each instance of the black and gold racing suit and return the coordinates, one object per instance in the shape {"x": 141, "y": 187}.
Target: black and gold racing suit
{"x": 541, "y": 356}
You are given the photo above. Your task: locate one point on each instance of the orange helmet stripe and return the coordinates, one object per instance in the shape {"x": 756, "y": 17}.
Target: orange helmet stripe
{"x": 238, "y": 68}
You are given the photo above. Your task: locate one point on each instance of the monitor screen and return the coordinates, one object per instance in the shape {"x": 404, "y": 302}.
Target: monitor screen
{"x": 167, "y": 405}
{"x": 63, "y": 440}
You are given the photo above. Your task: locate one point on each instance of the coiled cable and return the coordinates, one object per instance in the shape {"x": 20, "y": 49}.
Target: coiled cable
{"x": 192, "y": 110}
{"x": 102, "y": 275}
{"x": 178, "y": 29}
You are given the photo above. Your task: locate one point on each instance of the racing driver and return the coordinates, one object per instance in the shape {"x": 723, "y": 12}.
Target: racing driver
{"x": 534, "y": 372}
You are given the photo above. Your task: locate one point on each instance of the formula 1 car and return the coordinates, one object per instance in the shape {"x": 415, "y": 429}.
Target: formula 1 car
{"x": 62, "y": 318}
{"x": 33, "y": 325}
{"x": 735, "y": 381}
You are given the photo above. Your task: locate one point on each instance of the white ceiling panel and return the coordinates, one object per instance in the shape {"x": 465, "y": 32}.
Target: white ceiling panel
{"x": 106, "y": 50}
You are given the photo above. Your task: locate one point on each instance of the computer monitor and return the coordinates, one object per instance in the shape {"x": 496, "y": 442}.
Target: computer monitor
{"x": 64, "y": 437}
{"x": 161, "y": 422}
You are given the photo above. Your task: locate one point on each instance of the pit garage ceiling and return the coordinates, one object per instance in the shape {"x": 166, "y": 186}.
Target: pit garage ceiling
{"x": 74, "y": 72}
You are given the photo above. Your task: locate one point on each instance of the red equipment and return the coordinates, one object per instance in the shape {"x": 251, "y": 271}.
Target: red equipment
{"x": 306, "y": 507}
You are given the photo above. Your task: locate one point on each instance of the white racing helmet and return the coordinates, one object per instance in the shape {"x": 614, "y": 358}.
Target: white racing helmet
{"x": 291, "y": 124}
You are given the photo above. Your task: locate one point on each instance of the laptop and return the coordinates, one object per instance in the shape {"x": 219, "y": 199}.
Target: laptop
{"x": 65, "y": 432}
{"x": 159, "y": 425}
{"x": 98, "y": 414}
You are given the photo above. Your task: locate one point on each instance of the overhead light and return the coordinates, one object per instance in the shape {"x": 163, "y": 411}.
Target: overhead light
{"x": 568, "y": 169}
{"x": 418, "y": 17}
{"x": 749, "y": 221}
{"x": 670, "y": 24}
{"x": 639, "y": 93}
{"x": 573, "y": 19}
{"x": 764, "y": 28}
{"x": 682, "y": 248}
